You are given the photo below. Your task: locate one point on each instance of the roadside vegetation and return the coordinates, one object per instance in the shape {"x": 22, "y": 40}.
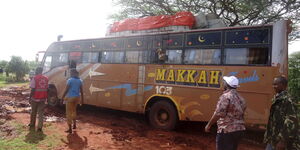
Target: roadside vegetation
{"x": 7, "y": 82}
{"x": 18, "y": 137}
{"x": 15, "y": 72}
{"x": 294, "y": 76}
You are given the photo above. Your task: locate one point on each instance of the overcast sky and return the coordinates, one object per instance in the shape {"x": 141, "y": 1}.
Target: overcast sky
{"x": 29, "y": 26}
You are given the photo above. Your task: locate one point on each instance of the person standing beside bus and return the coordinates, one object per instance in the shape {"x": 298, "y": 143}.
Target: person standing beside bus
{"x": 73, "y": 92}
{"x": 282, "y": 129}
{"x": 229, "y": 115}
{"x": 38, "y": 96}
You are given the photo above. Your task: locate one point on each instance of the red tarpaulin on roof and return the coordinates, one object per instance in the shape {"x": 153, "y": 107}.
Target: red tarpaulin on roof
{"x": 152, "y": 22}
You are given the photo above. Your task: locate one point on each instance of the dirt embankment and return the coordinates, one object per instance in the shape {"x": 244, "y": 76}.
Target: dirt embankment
{"x": 100, "y": 128}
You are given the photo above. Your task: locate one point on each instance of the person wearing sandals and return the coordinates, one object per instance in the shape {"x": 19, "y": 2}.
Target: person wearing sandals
{"x": 73, "y": 92}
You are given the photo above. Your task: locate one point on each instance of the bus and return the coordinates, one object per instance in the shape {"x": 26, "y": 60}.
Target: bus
{"x": 173, "y": 76}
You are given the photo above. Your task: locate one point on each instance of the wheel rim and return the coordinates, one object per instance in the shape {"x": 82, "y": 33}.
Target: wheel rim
{"x": 162, "y": 117}
{"x": 52, "y": 101}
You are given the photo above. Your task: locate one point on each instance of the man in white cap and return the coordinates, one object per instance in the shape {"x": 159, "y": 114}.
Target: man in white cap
{"x": 229, "y": 116}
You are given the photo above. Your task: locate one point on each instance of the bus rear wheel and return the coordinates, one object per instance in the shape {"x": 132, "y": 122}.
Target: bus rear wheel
{"x": 163, "y": 115}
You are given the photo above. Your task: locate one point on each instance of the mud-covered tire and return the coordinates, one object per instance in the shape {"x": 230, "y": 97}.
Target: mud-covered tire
{"x": 53, "y": 101}
{"x": 163, "y": 115}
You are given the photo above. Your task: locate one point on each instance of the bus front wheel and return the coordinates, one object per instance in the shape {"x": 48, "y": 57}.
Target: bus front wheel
{"x": 163, "y": 115}
{"x": 52, "y": 97}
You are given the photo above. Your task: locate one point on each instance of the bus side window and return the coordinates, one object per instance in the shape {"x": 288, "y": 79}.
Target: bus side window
{"x": 132, "y": 56}
{"x": 145, "y": 57}
{"x": 246, "y": 56}
{"x": 112, "y": 57}
{"x": 173, "y": 56}
{"x": 75, "y": 57}
{"x": 63, "y": 59}
{"x": 59, "y": 59}
{"x": 137, "y": 57}
{"x": 202, "y": 56}
{"x": 90, "y": 57}
{"x": 161, "y": 55}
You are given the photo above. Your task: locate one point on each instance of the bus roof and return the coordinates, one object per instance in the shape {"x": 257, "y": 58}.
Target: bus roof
{"x": 172, "y": 32}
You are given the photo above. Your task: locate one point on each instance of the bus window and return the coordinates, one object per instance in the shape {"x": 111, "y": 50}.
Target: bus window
{"x": 75, "y": 56}
{"x": 202, "y": 56}
{"x": 112, "y": 57}
{"x": 137, "y": 57}
{"x": 145, "y": 57}
{"x": 246, "y": 56}
{"x": 47, "y": 64}
{"x": 174, "y": 56}
{"x": 90, "y": 57}
{"x": 60, "y": 59}
{"x": 63, "y": 58}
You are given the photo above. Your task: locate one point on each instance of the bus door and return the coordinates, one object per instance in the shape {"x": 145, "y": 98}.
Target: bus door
{"x": 140, "y": 86}
{"x": 137, "y": 56}
{"x": 108, "y": 79}
{"x": 92, "y": 75}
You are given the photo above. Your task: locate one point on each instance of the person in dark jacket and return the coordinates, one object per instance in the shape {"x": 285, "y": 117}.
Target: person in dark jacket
{"x": 282, "y": 129}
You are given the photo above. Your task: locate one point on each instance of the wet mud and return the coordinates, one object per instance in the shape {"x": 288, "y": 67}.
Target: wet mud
{"x": 100, "y": 128}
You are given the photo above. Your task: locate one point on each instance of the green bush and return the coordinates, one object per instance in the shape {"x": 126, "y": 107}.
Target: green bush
{"x": 10, "y": 79}
{"x": 294, "y": 75}
{"x": 18, "y": 67}
{"x": 2, "y": 77}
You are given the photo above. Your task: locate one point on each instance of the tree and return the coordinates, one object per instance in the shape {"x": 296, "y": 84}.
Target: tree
{"x": 32, "y": 65}
{"x": 2, "y": 65}
{"x": 18, "y": 67}
{"x": 294, "y": 75}
{"x": 235, "y": 12}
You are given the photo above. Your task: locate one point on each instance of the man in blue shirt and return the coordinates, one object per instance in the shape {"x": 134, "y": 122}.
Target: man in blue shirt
{"x": 73, "y": 93}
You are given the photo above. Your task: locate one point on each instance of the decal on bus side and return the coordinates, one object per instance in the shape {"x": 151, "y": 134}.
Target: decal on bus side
{"x": 129, "y": 91}
{"x": 250, "y": 78}
{"x": 201, "y": 78}
{"x": 164, "y": 90}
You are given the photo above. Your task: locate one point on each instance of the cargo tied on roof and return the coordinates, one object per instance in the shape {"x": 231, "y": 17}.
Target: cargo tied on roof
{"x": 181, "y": 21}
{"x": 152, "y": 22}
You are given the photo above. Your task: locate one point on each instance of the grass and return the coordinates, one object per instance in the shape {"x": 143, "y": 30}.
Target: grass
{"x": 4, "y": 83}
{"x": 22, "y": 138}
{"x": 31, "y": 140}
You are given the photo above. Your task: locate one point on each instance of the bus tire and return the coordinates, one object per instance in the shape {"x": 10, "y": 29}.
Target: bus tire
{"x": 52, "y": 99}
{"x": 163, "y": 115}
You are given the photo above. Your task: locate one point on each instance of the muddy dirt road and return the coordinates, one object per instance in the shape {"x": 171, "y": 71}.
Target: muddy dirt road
{"x": 100, "y": 128}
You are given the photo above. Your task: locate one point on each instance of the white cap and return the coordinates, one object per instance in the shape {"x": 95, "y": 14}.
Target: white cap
{"x": 232, "y": 81}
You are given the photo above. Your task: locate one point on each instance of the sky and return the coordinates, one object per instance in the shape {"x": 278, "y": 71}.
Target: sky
{"x": 29, "y": 26}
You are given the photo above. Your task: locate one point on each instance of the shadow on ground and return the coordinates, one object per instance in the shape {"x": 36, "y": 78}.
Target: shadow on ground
{"x": 34, "y": 137}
